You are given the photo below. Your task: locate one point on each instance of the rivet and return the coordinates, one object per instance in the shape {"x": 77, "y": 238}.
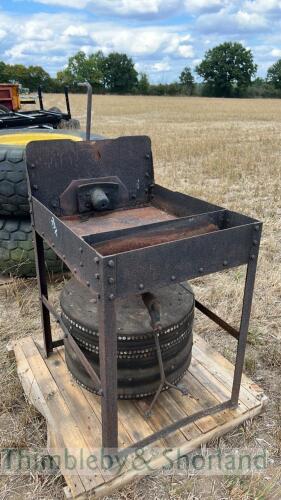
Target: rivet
{"x": 32, "y": 165}
{"x": 63, "y": 256}
{"x": 147, "y": 156}
{"x": 141, "y": 286}
{"x": 255, "y": 242}
{"x": 97, "y": 276}
{"x": 96, "y": 260}
{"x": 53, "y": 245}
{"x": 111, "y": 281}
{"x": 225, "y": 262}
{"x": 257, "y": 228}
{"x": 253, "y": 256}
{"x": 43, "y": 234}
{"x": 201, "y": 269}
{"x": 32, "y": 225}
{"x": 111, "y": 296}
{"x": 111, "y": 263}
{"x": 81, "y": 250}
{"x": 35, "y": 186}
{"x": 87, "y": 283}
{"x": 173, "y": 278}
{"x": 81, "y": 264}
{"x": 75, "y": 270}
{"x": 147, "y": 174}
{"x": 133, "y": 196}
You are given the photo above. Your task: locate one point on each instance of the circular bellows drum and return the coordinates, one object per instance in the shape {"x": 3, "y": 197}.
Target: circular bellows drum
{"x": 137, "y": 363}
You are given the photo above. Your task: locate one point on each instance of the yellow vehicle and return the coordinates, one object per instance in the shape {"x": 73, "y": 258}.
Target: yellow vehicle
{"x": 10, "y": 99}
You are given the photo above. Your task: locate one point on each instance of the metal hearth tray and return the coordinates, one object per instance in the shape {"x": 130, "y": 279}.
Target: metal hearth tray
{"x": 97, "y": 206}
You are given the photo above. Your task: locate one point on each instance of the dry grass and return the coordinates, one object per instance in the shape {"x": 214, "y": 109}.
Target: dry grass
{"x": 225, "y": 151}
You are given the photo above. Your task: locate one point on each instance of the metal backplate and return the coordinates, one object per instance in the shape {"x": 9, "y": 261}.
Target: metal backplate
{"x": 53, "y": 165}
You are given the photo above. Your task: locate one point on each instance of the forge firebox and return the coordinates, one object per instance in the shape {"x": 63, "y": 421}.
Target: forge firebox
{"x": 130, "y": 245}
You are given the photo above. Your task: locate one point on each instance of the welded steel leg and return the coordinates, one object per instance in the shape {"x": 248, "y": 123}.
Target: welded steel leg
{"x": 43, "y": 292}
{"x": 108, "y": 371}
{"x": 243, "y": 331}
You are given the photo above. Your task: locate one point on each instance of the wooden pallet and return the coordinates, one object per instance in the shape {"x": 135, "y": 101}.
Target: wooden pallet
{"x": 73, "y": 414}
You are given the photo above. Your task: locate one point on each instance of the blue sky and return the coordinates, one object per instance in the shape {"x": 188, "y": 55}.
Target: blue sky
{"x": 162, "y": 36}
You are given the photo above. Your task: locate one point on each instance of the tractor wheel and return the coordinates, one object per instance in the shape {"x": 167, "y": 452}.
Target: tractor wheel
{"x": 71, "y": 124}
{"x": 16, "y": 250}
{"x": 4, "y": 110}
{"x": 13, "y": 186}
{"x": 54, "y": 109}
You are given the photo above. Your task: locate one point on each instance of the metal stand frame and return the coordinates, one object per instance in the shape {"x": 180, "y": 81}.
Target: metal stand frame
{"x": 234, "y": 243}
{"x": 108, "y": 349}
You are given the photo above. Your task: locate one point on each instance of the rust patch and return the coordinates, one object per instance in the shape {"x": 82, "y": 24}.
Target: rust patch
{"x": 117, "y": 219}
{"x": 135, "y": 242}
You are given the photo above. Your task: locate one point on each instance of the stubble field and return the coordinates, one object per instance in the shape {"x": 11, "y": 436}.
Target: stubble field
{"x": 229, "y": 153}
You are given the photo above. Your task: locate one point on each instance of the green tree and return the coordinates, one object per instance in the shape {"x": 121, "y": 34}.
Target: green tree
{"x": 81, "y": 67}
{"x": 143, "y": 84}
{"x": 119, "y": 73}
{"x": 17, "y": 73}
{"x": 227, "y": 69}
{"x": 187, "y": 81}
{"x": 38, "y": 76}
{"x": 2, "y": 72}
{"x": 274, "y": 75}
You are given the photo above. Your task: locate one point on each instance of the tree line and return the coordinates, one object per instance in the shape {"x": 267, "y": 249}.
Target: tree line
{"x": 227, "y": 70}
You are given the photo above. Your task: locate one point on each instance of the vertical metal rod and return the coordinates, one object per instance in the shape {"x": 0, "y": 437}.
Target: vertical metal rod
{"x": 108, "y": 372}
{"x": 40, "y": 98}
{"x": 67, "y": 102}
{"x": 243, "y": 331}
{"x": 43, "y": 292}
{"x": 89, "y": 108}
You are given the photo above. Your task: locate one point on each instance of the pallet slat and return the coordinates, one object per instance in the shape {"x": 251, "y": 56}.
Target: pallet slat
{"x": 73, "y": 414}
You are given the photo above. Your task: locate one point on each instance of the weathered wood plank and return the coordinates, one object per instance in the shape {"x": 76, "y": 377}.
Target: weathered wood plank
{"x": 73, "y": 414}
{"x": 58, "y": 409}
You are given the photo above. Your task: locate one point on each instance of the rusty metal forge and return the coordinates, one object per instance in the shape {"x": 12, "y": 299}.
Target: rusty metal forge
{"x": 97, "y": 206}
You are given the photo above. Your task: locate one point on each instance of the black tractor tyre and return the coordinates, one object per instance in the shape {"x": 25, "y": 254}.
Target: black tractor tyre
{"x": 4, "y": 110}
{"x": 54, "y": 109}
{"x": 71, "y": 124}
{"x": 13, "y": 185}
{"x": 17, "y": 253}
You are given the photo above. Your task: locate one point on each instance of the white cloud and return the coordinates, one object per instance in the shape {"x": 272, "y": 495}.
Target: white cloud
{"x": 161, "y": 66}
{"x": 186, "y": 51}
{"x": 78, "y": 31}
{"x": 248, "y": 20}
{"x": 262, "y": 6}
{"x": 205, "y": 5}
{"x": 120, "y": 7}
{"x": 276, "y": 52}
{"x": 49, "y": 39}
{"x": 74, "y": 4}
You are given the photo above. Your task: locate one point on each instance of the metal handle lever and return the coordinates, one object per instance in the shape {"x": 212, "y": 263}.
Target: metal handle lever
{"x": 153, "y": 306}
{"x": 89, "y": 108}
